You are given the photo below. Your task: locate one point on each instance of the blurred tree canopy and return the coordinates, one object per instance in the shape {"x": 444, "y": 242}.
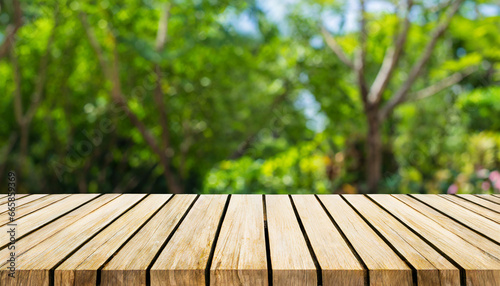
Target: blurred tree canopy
{"x": 217, "y": 96}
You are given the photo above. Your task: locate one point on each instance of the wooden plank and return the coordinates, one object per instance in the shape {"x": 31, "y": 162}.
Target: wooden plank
{"x": 432, "y": 268}
{"x": 490, "y": 198}
{"x": 35, "y": 220}
{"x": 465, "y": 216}
{"x": 484, "y": 203}
{"x": 122, "y": 238}
{"x": 21, "y": 202}
{"x": 185, "y": 258}
{"x": 33, "y": 266}
{"x": 480, "y": 267}
{"x": 81, "y": 267}
{"x": 34, "y": 205}
{"x": 129, "y": 266}
{"x": 3, "y": 201}
{"x": 240, "y": 254}
{"x": 494, "y": 216}
{"x": 481, "y": 242}
{"x": 384, "y": 265}
{"x": 339, "y": 265}
{"x": 291, "y": 259}
{"x": 34, "y": 238}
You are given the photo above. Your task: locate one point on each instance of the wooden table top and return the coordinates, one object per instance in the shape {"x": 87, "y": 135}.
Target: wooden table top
{"x": 162, "y": 239}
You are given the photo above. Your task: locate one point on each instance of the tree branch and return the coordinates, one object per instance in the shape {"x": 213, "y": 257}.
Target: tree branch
{"x": 18, "y": 103}
{"x": 113, "y": 75}
{"x": 442, "y": 84}
{"x": 361, "y": 52}
{"x": 12, "y": 29}
{"x": 334, "y": 46}
{"x": 161, "y": 39}
{"x": 161, "y": 36}
{"x": 146, "y": 135}
{"x": 390, "y": 61}
{"x": 42, "y": 75}
{"x": 24, "y": 120}
{"x": 94, "y": 43}
{"x": 360, "y": 55}
{"x": 402, "y": 93}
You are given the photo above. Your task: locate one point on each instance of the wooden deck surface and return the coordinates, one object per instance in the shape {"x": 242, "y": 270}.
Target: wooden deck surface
{"x": 140, "y": 239}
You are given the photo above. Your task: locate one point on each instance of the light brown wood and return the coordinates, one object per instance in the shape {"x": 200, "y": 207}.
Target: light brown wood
{"x": 34, "y": 238}
{"x": 384, "y": 265}
{"x": 81, "y": 268}
{"x": 432, "y": 268}
{"x": 465, "y": 216}
{"x": 291, "y": 261}
{"x": 490, "y": 198}
{"x": 492, "y": 215}
{"x": 4, "y": 200}
{"x": 37, "y": 219}
{"x": 34, "y": 205}
{"x": 240, "y": 253}
{"x": 34, "y": 265}
{"x": 481, "y": 242}
{"x": 339, "y": 265}
{"x": 481, "y": 268}
{"x": 4, "y": 209}
{"x": 184, "y": 259}
{"x": 20, "y": 202}
{"x": 129, "y": 266}
{"x": 185, "y": 239}
{"x": 484, "y": 203}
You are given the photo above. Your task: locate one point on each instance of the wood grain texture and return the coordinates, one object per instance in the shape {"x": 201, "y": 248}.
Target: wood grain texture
{"x": 432, "y": 268}
{"x": 484, "y": 203}
{"x": 465, "y": 216}
{"x": 21, "y": 202}
{"x": 481, "y": 267}
{"x": 34, "y": 205}
{"x": 490, "y": 198}
{"x": 481, "y": 242}
{"x": 291, "y": 260}
{"x": 129, "y": 266}
{"x": 4, "y": 200}
{"x": 113, "y": 239}
{"x": 492, "y": 215}
{"x": 34, "y": 238}
{"x": 35, "y": 220}
{"x": 184, "y": 259}
{"x": 34, "y": 265}
{"x": 4, "y": 208}
{"x": 81, "y": 267}
{"x": 384, "y": 265}
{"x": 339, "y": 265}
{"x": 240, "y": 253}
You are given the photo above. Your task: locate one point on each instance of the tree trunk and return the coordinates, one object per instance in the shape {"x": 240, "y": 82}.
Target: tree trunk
{"x": 374, "y": 151}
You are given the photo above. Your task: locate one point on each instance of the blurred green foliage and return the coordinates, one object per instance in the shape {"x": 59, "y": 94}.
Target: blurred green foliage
{"x": 256, "y": 103}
